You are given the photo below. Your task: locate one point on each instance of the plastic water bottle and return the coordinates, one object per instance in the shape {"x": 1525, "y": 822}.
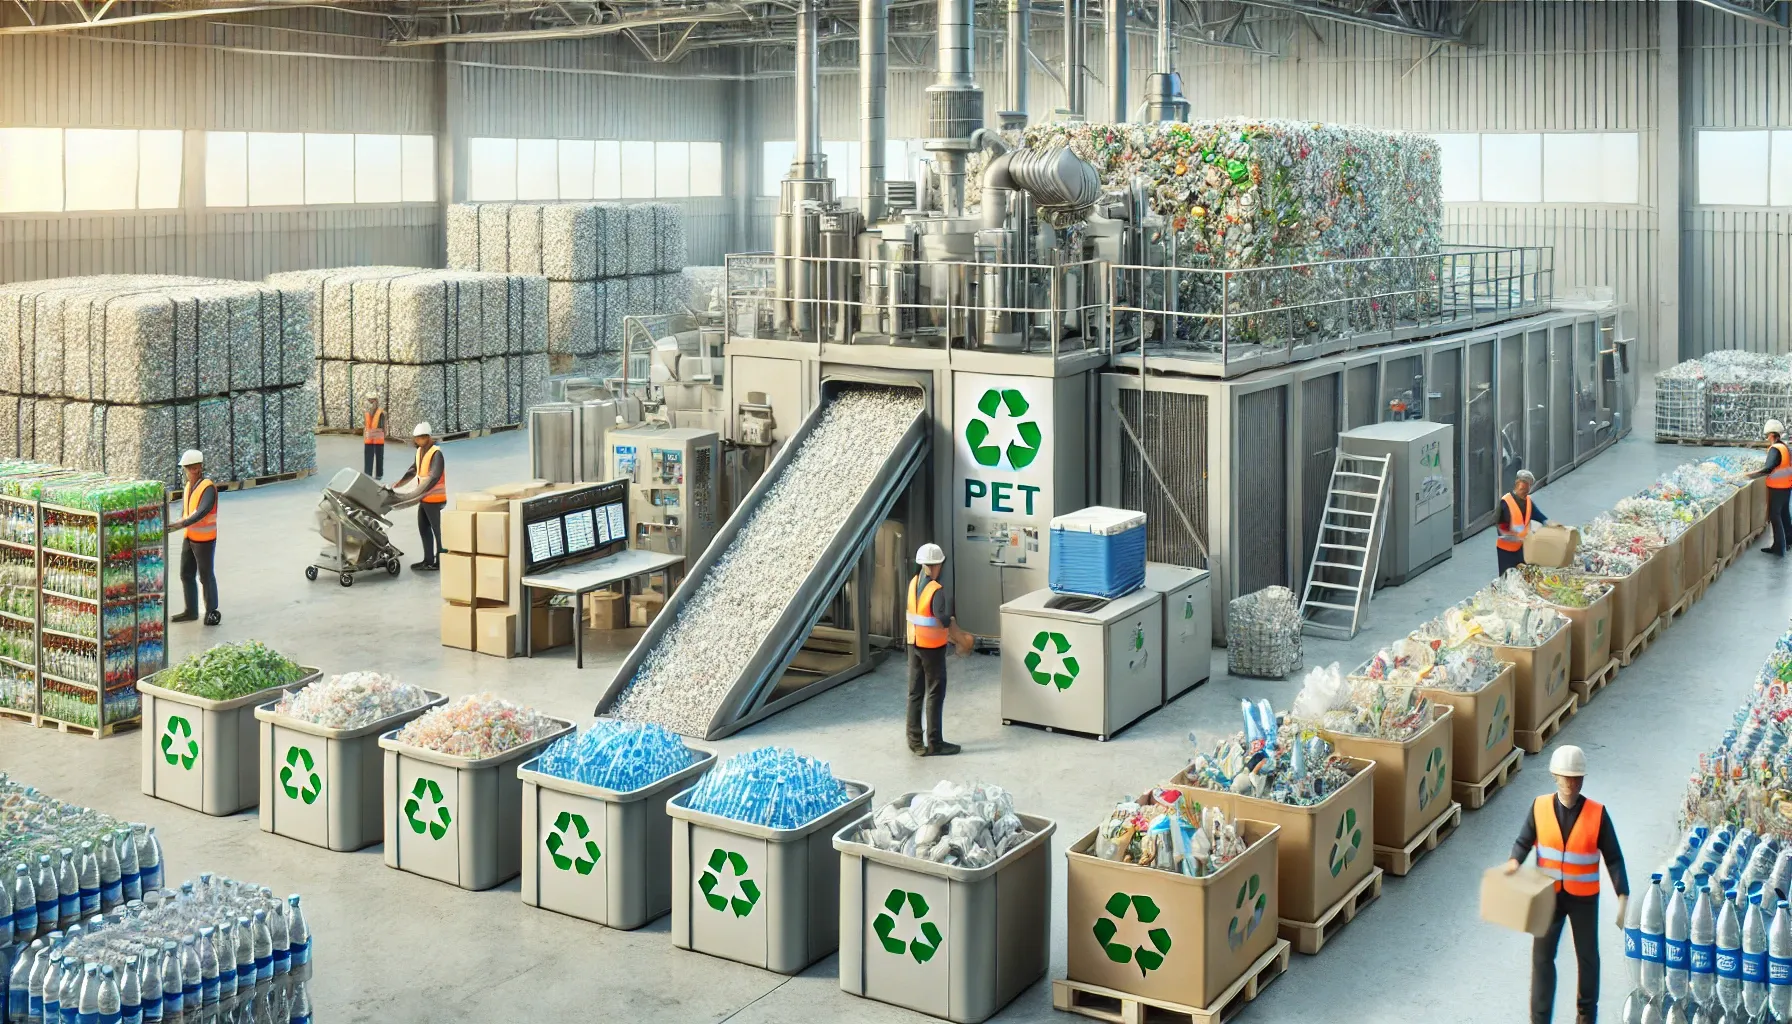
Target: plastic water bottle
{"x": 18, "y": 986}
{"x": 49, "y": 912}
{"x": 111, "y": 1001}
{"x": 1676, "y": 1012}
{"x": 1729, "y": 953}
{"x": 50, "y": 996}
{"x": 1633, "y": 1007}
{"x": 151, "y": 985}
{"x": 298, "y": 931}
{"x": 192, "y": 976}
{"x": 111, "y": 878}
{"x": 1702, "y": 951}
{"x": 7, "y": 926}
{"x": 1651, "y": 1012}
{"x": 261, "y": 947}
{"x": 1633, "y": 943}
{"x": 130, "y": 879}
{"x": 87, "y": 875}
{"x": 149, "y": 856}
{"x": 225, "y": 944}
{"x": 1654, "y": 924}
{"x": 87, "y": 997}
{"x": 24, "y": 905}
{"x": 208, "y": 964}
{"x": 244, "y": 953}
{"x": 1754, "y": 958}
{"x": 300, "y": 1013}
{"x": 69, "y": 1002}
{"x": 174, "y": 987}
{"x": 279, "y": 937}
{"x": 1676, "y": 937}
{"x": 130, "y": 993}
{"x": 1705, "y": 1013}
{"x": 68, "y": 885}
{"x": 40, "y": 971}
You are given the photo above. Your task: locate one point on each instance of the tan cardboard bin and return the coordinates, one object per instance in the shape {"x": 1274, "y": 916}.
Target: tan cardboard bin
{"x": 1621, "y": 617}
{"x": 1723, "y": 519}
{"x": 1412, "y": 777}
{"x": 1590, "y": 646}
{"x": 605, "y": 609}
{"x": 1480, "y": 726}
{"x": 1757, "y": 505}
{"x": 1163, "y": 935}
{"x": 492, "y": 533}
{"x": 1324, "y": 850}
{"x": 1674, "y": 578}
{"x": 457, "y": 577}
{"x": 457, "y": 531}
{"x": 457, "y": 626}
{"x": 642, "y": 608}
{"x": 479, "y": 501}
{"x": 491, "y": 578}
{"x": 1523, "y": 901}
{"x": 541, "y": 628}
{"x": 1540, "y": 684}
{"x": 497, "y": 632}
{"x": 560, "y": 626}
{"x": 1551, "y": 545}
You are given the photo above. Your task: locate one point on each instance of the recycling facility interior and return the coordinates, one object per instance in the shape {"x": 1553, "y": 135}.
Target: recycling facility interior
{"x": 1593, "y": 217}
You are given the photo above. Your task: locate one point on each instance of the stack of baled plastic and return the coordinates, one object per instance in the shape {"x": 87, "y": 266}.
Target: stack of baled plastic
{"x": 122, "y": 373}
{"x": 461, "y": 350}
{"x": 1263, "y": 634}
{"x": 1723, "y": 396}
{"x": 603, "y": 262}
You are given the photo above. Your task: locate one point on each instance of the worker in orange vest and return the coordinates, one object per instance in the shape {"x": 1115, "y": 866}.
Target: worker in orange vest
{"x": 431, "y": 473}
{"x": 1518, "y": 512}
{"x": 931, "y": 629}
{"x": 198, "y": 547}
{"x": 1778, "y": 472}
{"x": 373, "y": 439}
{"x": 1571, "y": 835}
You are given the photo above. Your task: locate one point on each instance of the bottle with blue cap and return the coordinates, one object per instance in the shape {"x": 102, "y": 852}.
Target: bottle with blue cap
{"x": 1754, "y": 958}
{"x": 1654, "y": 931}
{"x": 24, "y": 905}
{"x": 1701, "y": 954}
{"x": 1675, "y": 939}
{"x": 18, "y": 986}
{"x": 1779, "y": 963}
{"x": 1729, "y": 953}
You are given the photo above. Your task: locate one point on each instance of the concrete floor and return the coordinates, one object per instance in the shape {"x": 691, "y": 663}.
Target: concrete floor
{"x": 394, "y": 947}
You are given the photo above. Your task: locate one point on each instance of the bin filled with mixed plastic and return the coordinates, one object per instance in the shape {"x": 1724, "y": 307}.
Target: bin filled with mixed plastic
{"x": 754, "y": 874}
{"x": 1468, "y": 678}
{"x": 598, "y": 841}
{"x": 1531, "y": 635}
{"x": 1410, "y": 739}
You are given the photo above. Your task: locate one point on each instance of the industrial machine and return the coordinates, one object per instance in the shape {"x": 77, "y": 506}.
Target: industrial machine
{"x": 674, "y": 492}
{"x": 566, "y": 438}
{"x": 351, "y": 518}
{"x": 1188, "y": 625}
{"x": 1082, "y": 664}
{"x": 1421, "y": 469}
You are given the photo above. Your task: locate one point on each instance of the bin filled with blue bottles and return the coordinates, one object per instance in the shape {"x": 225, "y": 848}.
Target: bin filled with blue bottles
{"x": 597, "y": 842}
{"x": 754, "y": 875}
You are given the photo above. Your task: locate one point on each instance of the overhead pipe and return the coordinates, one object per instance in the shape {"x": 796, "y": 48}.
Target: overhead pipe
{"x": 806, "y": 187}
{"x": 1164, "y": 100}
{"x": 1118, "y": 58}
{"x": 1019, "y": 30}
{"x": 954, "y": 102}
{"x": 874, "y": 75}
{"x": 1074, "y": 101}
{"x": 807, "y": 162}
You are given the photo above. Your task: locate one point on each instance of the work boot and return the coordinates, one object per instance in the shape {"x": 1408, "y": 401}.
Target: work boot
{"x": 917, "y": 748}
{"x": 212, "y": 618}
{"x": 421, "y": 567}
{"x": 185, "y": 617}
{"x": 1772, "y": 551}
{"x": 942, "y": 748}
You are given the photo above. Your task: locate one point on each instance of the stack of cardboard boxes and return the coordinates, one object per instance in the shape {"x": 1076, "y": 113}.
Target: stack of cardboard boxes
{"x": 480, "y": 596}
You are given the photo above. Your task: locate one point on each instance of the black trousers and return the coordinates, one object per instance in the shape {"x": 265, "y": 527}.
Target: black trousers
{"x": 1779, "y": 517}
{"x": 429, "y": 527}
{"x": 196, "y": 568}
{"x": 926, "y": 685}
{"x": 373, "y": 460}
{"x": 1509, "y": 559}
{"x": 1583, "y": 913}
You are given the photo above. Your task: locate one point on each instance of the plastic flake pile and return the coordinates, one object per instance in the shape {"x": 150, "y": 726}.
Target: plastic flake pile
{"x": 1746, "y": 779}
{"x": 1359, "y": 706}
{"x": 969, "y": 826}
{"x": 352, "y": 700}
{"x": 618, "y": 756}
{"x": 1169, "y": 830}
{"x": 1496, "y": 616}
{"x": 1271, "y": 760}
{"x": 774, "y": 787}
{"x": 1263, "y": 634}
{"x": 229, "y": 671}
{"x": 1460, "y": 668}
{"x": 1723, "y": 396}
{"x": 483, "y": 725}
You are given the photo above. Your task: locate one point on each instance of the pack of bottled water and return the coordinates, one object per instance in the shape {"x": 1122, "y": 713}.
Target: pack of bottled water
{"x": 771, "y": 786}
{"x": 619, "y": 756}
{"x": 215, "y": 951}
{"x": 61, "y": 863}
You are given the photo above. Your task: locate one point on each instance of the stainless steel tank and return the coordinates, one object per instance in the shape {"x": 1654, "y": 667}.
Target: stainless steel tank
{"x": 551, "y": 442}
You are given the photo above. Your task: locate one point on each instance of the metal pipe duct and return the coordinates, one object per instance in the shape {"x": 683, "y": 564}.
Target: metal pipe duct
{"x": 874, "y": 72}
{"x": 1056, "y": 178}
{"x": 1019, "y": 29}
{"x": 807, "y": 163}
{"x": 954, "y": 103}
{"x": 1118, "y": 59}
{"x": 1074, "y": 100}
{"x": 1163, "y": 99}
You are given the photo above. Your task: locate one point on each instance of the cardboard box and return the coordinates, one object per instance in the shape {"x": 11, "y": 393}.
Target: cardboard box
{"x": 1723, "y": 520}
{"x": 1480, "y": 725}
{"x": 1412, "y": 777}
{"x": 1672, "y": 582}
{"x": 1540, "y": 682}
{"x": 491, "y": 578}
{"x": 511, "y": 491}
{"x": 479, "y": 501}
{"x": 605, "y": 609}
{"x": 1324, "y": 849}
{"x": 541, "y": 628}
{"x": 1523, "y": 901}
{"x": 492, "y": 533}
{"x": 1621, "y": 618}
{"x": 1202, "y": 933}
{"x": 642, "y": 608}
{"x": 1757, "y": 505}
{"x": 457, "y": 531}
{"x": 457, "y": 577}
{"x": 497, "y": 632}
{"x": 560, "y": 626}
{"x": 1590, "y": 647}
{"x": 1552, "y": 545}
{"x": 538, "y": 487}
{"x": 457, "y": 626}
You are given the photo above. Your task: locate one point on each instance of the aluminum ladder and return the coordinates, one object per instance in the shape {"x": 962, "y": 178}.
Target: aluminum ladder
{"x": 1347, "y": 552}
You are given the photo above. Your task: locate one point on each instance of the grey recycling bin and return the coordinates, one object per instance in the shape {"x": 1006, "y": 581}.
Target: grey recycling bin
{"x": 202, "y": 753}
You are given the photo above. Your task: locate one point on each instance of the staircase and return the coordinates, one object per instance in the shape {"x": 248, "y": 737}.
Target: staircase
{"x": 1347, "y": 552}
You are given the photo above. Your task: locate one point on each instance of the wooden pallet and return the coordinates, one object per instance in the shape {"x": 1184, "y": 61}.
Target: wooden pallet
{"x": 1534, "y": 742}
{"x": 1123, "y": 1008}
{"x": 16, "y": 715}
{"x": 46, "y": 722}
{"x": 1586, "y": 688}
{"x": 1397, "y": 861}
{"x": 1640, "y": 643}
{"x": 1699, "y": 442}
{"x": 1309, "y": 939}
{"x": 1474, "y": 795}
{"x": 177, "y": 493}
{"x": 457, "y": 435}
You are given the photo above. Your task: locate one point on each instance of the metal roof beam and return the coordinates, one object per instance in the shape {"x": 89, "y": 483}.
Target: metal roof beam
{"x": 1442, "y": 20}
{"x": 1772, "y": 13}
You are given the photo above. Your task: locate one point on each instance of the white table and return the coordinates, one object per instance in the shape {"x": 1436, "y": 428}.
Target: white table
{"x": 582, "y": 578}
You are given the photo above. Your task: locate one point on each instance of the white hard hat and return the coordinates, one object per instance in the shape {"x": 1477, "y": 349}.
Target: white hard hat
{"x": 372, "y": 396}
{"x": 191, "y": 457}
{"x": 1527, "y": 476}
{"x": 930, "y": 554}
{"x": 1773, "y": 427}
{"x": 423, "y": 430}
{"x": 1568, "y": 761}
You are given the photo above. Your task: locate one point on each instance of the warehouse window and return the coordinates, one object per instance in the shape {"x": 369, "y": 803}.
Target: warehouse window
{"x": 1532, "y": 167}
{"x": 51, "y": 170}
{"x": 672, "y": 170}
{"x": 578, "y": 168}
{"x": 637, "y": 170}
{"x": 317, "y": 169}
{"x": 706, "y": 168}
{"x": 606, "y": 170}
{"x": 491, "y": 170}
{"x": 902, "y": 161}
{"x": 538, "y": 170}
{"x": 1745, "y": 168}
{"x": 774, "y": 165}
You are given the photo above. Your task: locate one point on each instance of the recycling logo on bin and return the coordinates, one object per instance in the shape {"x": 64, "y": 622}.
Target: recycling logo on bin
{"x": 1107, "y": 926}
{"x": 581, "y": 858}
{"x": 1558, "y": 675}
{"x": 179, "y": 748}
{"x": 1500, "y": 723}
{"x": 1247, "y": 914}
{"x": 1432, "y": 782}
{"x": 1137, "y": 657}
{"x": 436, "y": 827}
{"x": 720, "y": 863}
{"x": 1347, "y": 842}
{"x": 922, "y": 946}
{"x": 1020, "y": 452}
{"x": 1055, "y": 644}
{"x": 308, "y": 788}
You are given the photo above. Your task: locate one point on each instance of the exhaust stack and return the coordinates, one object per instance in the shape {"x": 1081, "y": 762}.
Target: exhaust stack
{"x": 1163, "y": 91}
{"x": 954, "y": 102}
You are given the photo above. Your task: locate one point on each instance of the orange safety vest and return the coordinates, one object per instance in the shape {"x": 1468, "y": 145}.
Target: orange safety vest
{"x": 439, "y": 493}
{"x": 1575, "y": 864}
{"x": 1512, "y": 535}
{"x": 1781, "y": 477}
{"x": 373, "y": 429}
{"x": 206, "y": 528}
{"x": 924, "y": 630}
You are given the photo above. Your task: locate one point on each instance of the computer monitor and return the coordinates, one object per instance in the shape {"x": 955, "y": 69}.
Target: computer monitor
{"x": 573, "y": 525}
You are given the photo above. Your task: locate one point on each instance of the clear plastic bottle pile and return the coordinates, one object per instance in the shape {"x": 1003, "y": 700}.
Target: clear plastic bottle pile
{"x": 216, "y": 951}
{"x": 352, "y": 700}
{"x": 775, "y": 787}
{"x": 60, "y": 863}
{"x": 1460, "y": 668}
{"x": 1741, "y": 781}
{"x": 1710, "y": 936}
{"x": 482, "y": 725}
{"x": 1272, "y": 759}
{"x": 618, "y": 756}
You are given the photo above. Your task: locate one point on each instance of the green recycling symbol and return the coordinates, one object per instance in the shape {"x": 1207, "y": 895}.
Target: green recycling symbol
{"x": 1432, "y": 782}
{"x": 1042, "y": 641}
{"x": 1020, "y": 453}
{"x": 1106, "y": 927}
{"x": 749, "y": 892}
{"x": 300, "y": 758}
{"x": 1346, "y": 843}
{"x": 1188, "y": 607}
{"x": 437, "y": 828}
{"x": 176, "y": 730}
{"x": 1558, "y": 675}
{"x": 1136, "y": 655}
{"x": 921, "y": 947}
{"x": 1253, "y": 901}
{"x": 1502, "y": 720}
{"x": 559, "y": 839}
